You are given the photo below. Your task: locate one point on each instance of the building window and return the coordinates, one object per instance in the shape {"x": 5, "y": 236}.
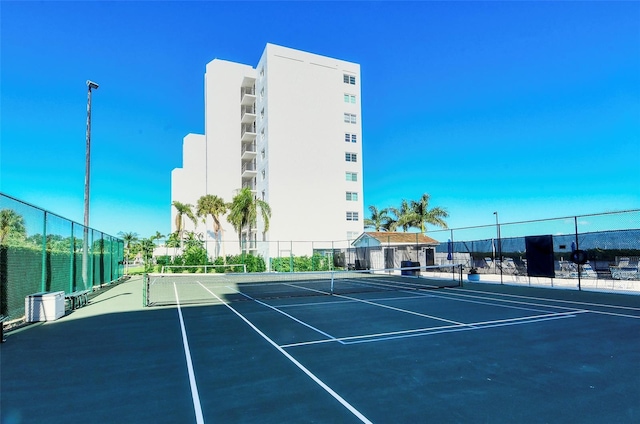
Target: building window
{"x": 262, "y": 93}
{"x": 262, "y": 114}
{"x": 352, "y": 176}
{"x": 352, "y": 216}
{"x": 262, "y": 135}
{"x": 350, "y": 98}
{"x": 350, "y": 118}
{"x": 351, "y": 157}
{"x": 349, "y": 79}
{"x": 262, "y": 73}
{"x": 352, "y": 235}
{"x": 352, "y": 196}
{"x": 350, "y": 138}
{"x": 263, "y": 173}
{"x": 262, "y": 154}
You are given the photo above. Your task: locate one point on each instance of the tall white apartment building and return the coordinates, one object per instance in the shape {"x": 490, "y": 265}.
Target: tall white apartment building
{"x": 289, "y": 129}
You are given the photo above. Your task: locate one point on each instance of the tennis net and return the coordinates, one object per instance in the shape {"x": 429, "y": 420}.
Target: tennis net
{"x": 190, "y": 288}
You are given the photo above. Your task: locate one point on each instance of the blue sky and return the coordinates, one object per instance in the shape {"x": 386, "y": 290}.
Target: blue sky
{"x": 531, "y": 109}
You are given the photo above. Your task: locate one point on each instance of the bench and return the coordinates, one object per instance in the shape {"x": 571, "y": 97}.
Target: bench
{"x": 77, "y": 298}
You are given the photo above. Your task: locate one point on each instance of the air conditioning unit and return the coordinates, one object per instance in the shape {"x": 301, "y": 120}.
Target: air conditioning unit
{"x": 44, "y": 306}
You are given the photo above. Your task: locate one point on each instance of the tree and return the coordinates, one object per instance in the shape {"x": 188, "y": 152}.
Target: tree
{"x": 173, "y": 240}
{"x": 11, "y": 225}
{"x": 379, "y": 219}
{"x": 421, "y": 215}
{"x": 402, "y": 217}
{"x": 128, "y": 238}
{"x": 214, "y": 206}
{"x": 183, "y": 209}
{"x": 147, "y": 245}
{"x": 243, "y": 212}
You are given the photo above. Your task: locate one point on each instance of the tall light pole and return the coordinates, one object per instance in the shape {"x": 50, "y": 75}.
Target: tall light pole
{"x": 499, "y": 246}
{"x": 87, "y": 173}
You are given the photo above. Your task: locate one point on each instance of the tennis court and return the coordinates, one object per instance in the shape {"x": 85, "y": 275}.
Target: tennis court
{"x": 476, "y": 353}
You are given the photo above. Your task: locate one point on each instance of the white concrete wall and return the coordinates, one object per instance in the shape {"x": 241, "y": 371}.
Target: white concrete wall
{"x": 223, "y": 81}
{"x": 188, "y": 182}
{"x": 305, "y": 163}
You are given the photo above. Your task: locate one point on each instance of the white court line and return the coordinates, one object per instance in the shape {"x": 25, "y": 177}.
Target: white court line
{"x": 499, "y": 303}
{"x": 614, "y": 314}
{"x": 187, "y": 353}
{"x": 443, "y": 329}
{"x": 331, "y": 338}
{"x": 418, "y": 295}
{"x": 406, "y": 311}
{"x": 496, "y": 299}
{"x": 602, "y": 305}
{"x": 465, "y": 328}
{"x": 328, "y": 389}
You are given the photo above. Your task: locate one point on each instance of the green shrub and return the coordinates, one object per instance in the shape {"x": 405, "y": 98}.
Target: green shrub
{"x": 253, "y": 263}
{"x": 300, "y": 263}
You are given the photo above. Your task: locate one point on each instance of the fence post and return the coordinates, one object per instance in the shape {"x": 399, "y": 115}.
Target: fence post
{"x": 71, "y": 258}
{"x": 453, "y": 255}
{"x": 43, "y": 281}
{"x": 575, "y": 223}
{"x": 332, "y": 256}
{"x": 291, "y": 256}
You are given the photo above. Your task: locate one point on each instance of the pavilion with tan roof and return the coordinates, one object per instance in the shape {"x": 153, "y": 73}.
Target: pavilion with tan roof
{"x": 378, "y": 250}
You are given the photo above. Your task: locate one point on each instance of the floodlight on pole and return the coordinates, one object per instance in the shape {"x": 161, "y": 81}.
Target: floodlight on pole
{"x": 87, "y": 175}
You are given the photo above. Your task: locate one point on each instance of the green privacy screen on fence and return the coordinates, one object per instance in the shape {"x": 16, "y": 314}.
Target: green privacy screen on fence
{"x": 41, "y": 251}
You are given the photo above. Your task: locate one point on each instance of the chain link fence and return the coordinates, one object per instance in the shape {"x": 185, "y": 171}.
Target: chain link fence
{"x": 43, "y": 252}
{"x": 609, "y": 244}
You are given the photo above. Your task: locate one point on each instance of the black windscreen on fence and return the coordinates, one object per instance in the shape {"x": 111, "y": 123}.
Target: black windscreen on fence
{"x": 540, "y": 262}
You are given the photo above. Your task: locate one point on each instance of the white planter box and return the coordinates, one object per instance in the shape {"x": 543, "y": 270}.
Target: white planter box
{"x": 44, "y": 306}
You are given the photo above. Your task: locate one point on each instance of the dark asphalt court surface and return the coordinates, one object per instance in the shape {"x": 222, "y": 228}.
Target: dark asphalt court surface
{"x": 477, "y": 354}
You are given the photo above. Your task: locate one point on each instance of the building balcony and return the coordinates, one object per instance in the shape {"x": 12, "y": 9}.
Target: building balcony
{"x": 249, "y": 171}
{"x": 247, "y": 96}
{"x": 248, "y": 151}
{"x": 248, "y": 114}
{"x": 250, "y": 185}
{"x": 248, "y": 132}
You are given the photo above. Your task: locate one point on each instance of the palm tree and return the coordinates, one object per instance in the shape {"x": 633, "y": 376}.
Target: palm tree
{"x": 128, "y": 239}
{"x": 379, "y": 219}
{"x": 243, "y": 212}
{"x": 213, "y": 205}
{"x": 402, "y": 219}
{"x": 173, "y": 240}
{"x": 147, "y": 245}
{"x": 11, "y": 223}
{"x": 422, "y": 215}
{"x": 183, "y": 209}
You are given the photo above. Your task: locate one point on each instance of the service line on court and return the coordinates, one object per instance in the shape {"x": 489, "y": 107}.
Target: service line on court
{"x": 331, "y": 338}
{"x": 450, "y": 295}
{"x": 304, "y": 369}
{"x": 428, "y": 331}
{"x": 393, "y": 308}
